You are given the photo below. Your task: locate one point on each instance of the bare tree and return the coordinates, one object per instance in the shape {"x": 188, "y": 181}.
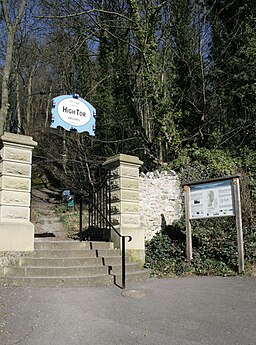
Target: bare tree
{"x": 12, "y": 25}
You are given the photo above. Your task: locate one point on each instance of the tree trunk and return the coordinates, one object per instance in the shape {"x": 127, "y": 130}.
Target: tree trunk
{"x": 11, "y": 31}
{"x": 5, "y": 82}
{"x": 48, "y": 107}
{"x": 18, "y": 112}
{"x": 29, "y": 102}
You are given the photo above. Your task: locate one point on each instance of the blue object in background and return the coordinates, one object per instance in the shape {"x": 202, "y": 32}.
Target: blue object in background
{"x": 73, "y": 113}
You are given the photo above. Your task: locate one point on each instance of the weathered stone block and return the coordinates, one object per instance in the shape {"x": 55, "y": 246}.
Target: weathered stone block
{"x": 16, "y": 237}
{"x": 125, "y": 183}
{"x": 15, "y": 198}
{"x": 128, "y": 171}
{"x": 128, "y": 195}
{"x": 129, "y": 183}
{"x": 124, "y": 207}
{"x": 13, "y": 168}
{"x": 125, "y": 171}
{"x": 115, "y": 208}
{"x": 15, "y": 183}
{"x": 14, "y": 214}
{"x": 16, "y": 154}
{"x": 130, "y": 220}
{"x": 115, "y": 196}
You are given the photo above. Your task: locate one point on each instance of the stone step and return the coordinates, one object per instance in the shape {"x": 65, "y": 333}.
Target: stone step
{"x": 135, "y": 276}
{"x": 60, "y": 245}
{"x": 38, "y": 271}
{"x": 107, "y": 252}
{"x": 75, "y": 253}
{"x": 55, "y": 253}
{"x": 114, "y": 260}
{"x": 69, "y": 245}
{"x": 129, "y": 267}
{"x": 60, "y": 262}
{"x": 71, "y": 264}
{"x": 51, "y": 282}
{"x": 77, "y": 271}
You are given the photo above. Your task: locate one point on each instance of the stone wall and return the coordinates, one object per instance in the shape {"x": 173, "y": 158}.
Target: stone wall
{"x": 9, "y": 259}
{"x": 159, "y": 200}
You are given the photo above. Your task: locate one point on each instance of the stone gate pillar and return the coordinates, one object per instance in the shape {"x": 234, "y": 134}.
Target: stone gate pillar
{"x": 16, "y": 230}
{"x": 125, "y": 215}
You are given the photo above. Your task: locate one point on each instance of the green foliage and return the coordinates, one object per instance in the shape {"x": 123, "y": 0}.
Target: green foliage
{"x": 214, "y": 248}
{"x": 250, "y": 242}
{"x": 249, "y": 165}
{"x": 195, "y": 163}
{"x": 233, "y": 73}
{"x": 163, "y": 256}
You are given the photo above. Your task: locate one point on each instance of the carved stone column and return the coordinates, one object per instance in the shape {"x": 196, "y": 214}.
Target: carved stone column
{"x": 16, "y": 230}
{"x": 125, "y": 203}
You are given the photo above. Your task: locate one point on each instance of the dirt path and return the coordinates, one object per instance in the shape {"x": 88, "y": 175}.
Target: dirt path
{"x": 47, "y": 223}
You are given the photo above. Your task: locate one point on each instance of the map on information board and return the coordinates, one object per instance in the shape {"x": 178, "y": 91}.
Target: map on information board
{"x": 213, "y": 199}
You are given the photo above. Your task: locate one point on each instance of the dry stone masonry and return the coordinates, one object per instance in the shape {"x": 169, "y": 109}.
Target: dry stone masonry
{"x": 160, "y": 201}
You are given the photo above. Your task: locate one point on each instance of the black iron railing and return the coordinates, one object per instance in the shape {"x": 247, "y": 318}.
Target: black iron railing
{"x": 99, "y": 218}
{"x": 99, "y": 210}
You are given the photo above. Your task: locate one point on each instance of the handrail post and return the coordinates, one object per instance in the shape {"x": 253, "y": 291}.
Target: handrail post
{"x": 123, "y": 262}
{"x": 108, "y": 208}
{"x": 80, "y": 218}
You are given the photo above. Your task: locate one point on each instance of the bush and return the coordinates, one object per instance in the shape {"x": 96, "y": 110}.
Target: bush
{"x": 164, "y": 256}
{"x": 166, "y": 252}
{"x": 214, "y": 248}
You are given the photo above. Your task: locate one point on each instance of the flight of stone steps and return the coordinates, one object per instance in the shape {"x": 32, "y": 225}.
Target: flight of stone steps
{"x": 71, "y": 264}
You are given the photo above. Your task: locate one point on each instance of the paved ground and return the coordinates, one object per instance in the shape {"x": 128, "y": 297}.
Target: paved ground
{"x": 194, "y": 310}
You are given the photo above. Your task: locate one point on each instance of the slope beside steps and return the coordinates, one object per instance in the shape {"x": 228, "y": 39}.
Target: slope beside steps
{"x": 71, "y": 264}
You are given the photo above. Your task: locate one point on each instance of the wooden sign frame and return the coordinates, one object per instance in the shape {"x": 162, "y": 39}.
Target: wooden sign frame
{"x": 235, "y": 211}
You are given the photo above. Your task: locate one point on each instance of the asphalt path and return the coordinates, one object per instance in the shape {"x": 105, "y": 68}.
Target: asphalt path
{"x": 179, "y": 311}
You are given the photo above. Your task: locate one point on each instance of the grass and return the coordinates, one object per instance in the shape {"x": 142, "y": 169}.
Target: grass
{"x": 70, "y": 219}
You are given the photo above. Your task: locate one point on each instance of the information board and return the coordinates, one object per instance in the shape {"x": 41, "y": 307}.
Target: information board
{"x": 213, "y": 199}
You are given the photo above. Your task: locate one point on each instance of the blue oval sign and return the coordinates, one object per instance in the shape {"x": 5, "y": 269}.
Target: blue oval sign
{"x": 73, "y": 113}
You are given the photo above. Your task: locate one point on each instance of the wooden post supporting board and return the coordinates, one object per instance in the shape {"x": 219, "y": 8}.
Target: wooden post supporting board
{"x": 238, "y": 214}
{"x": 188, "y": 224}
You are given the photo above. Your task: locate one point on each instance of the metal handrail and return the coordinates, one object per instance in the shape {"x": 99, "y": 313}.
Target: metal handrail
{"x": 123, "y": 244}
{"x": 106, "y": 218}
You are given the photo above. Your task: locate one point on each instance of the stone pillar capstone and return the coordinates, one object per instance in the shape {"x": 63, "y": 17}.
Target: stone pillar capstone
{"x": 125, "y": 215}
{"x": 16, "y": 230}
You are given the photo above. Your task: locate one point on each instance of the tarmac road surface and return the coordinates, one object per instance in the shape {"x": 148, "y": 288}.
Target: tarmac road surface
{"x": 179, "y": 311}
